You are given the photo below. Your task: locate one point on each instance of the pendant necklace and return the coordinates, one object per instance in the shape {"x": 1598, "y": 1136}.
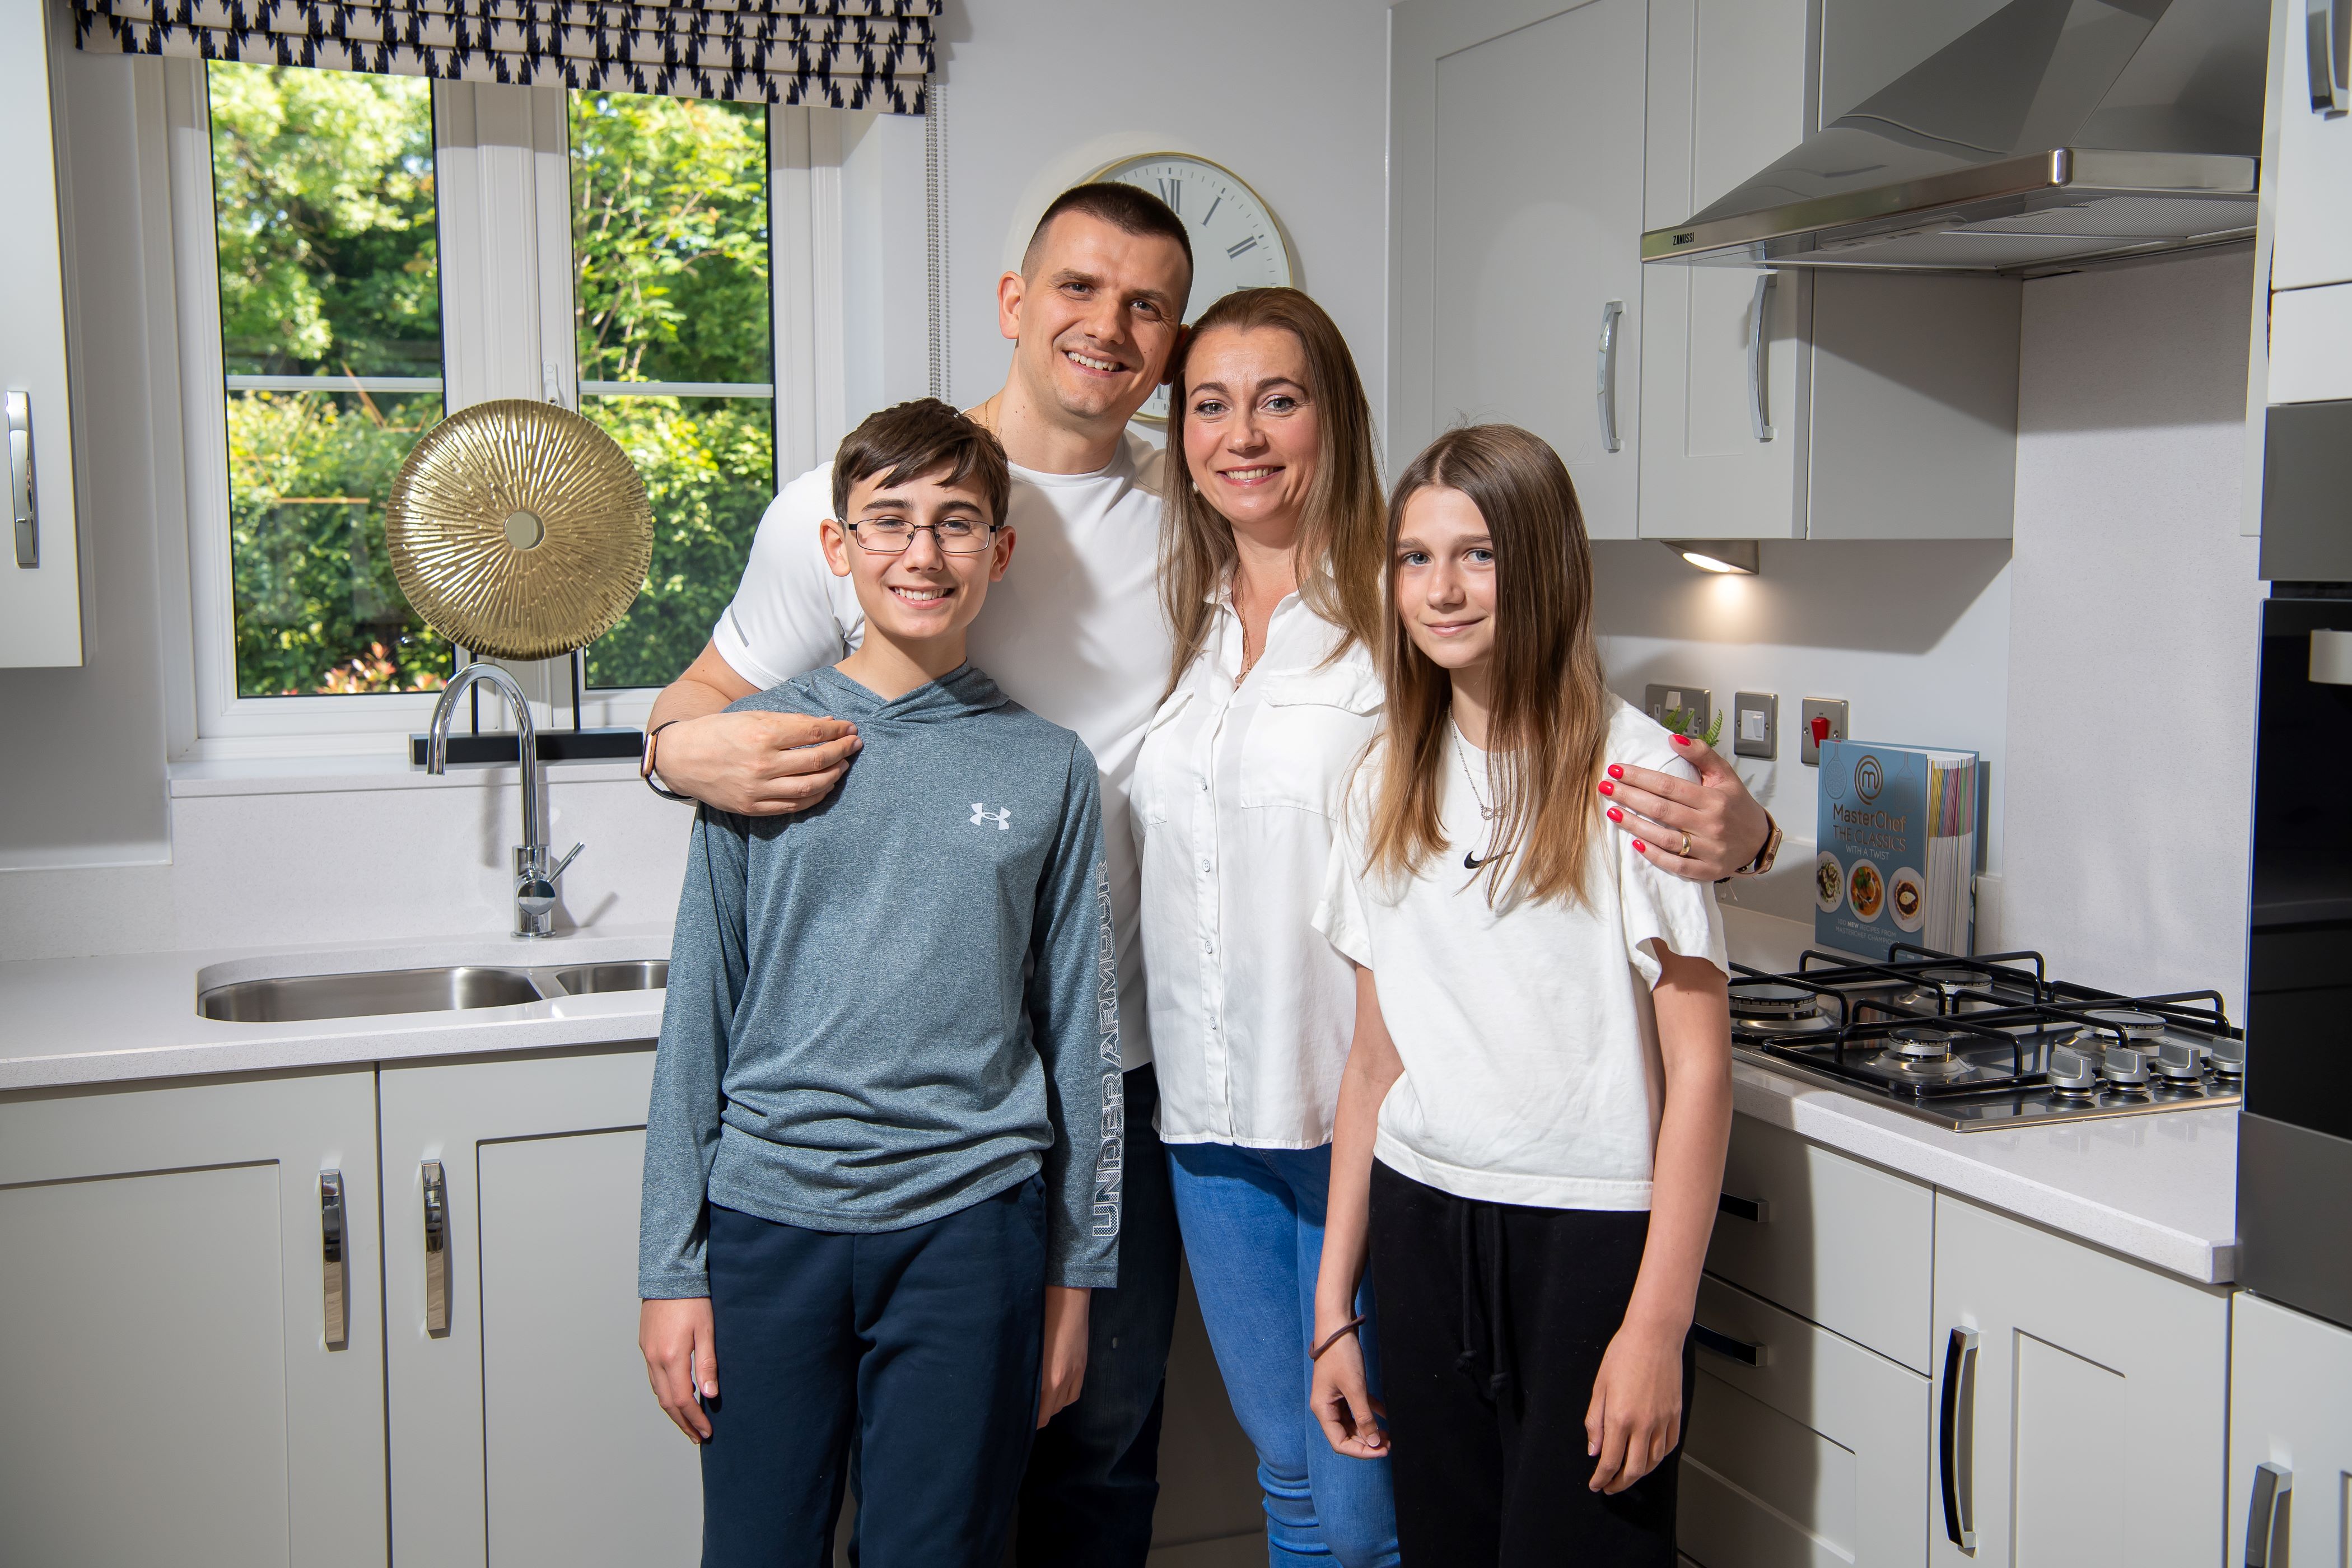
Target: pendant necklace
{"x": 1471, "y": 860}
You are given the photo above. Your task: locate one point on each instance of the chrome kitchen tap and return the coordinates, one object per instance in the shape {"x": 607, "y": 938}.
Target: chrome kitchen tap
{"x": 534, "y": 878}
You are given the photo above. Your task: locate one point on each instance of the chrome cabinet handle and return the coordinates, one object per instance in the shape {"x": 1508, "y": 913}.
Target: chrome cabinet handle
{"x": 334, "y": 1270}
{"x": 437, "y": 1249}
{"x": 22, "y": 502}
{"x": 1960, "y": 1438}
{"x": 2327, "y": 48}
{"x": 1718, "y": 1343}
{"x": 1604, "y": 375}
{"x": 1759, "y": 419}
{"x": 2266, "y": 1519}
{"x": 1755, "y": 1211}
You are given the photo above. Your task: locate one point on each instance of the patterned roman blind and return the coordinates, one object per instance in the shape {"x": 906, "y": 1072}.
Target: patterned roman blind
{"x": 843, "y": 54}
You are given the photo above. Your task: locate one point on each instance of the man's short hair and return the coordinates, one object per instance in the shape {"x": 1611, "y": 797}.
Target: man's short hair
{"x": 915, "y": 440}
{"x": 1127, "y": 208}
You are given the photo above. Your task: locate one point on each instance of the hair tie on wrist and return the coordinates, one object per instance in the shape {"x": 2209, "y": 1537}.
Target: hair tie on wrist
{"x": 1333, "y": 1338}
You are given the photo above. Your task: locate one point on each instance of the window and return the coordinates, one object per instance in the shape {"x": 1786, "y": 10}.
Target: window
{"x": 715, "y": 284}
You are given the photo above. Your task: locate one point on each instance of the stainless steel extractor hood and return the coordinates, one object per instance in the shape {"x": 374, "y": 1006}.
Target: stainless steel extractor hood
{"x": 2052, "y": 133}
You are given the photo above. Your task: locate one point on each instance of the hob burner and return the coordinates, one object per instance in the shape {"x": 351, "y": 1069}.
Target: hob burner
{"x": 1920, "y": 1052}
{"x": 2124, "y": 1024}
{"x": 1763, "y": 1004}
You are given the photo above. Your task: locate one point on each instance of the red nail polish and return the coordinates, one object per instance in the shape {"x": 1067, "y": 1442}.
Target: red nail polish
{"x": 1615, "y": 815}
{"x": 1638, "y": 847}
{"x": 1615, "y": 771}
{"x": 1681, "y": 740}
{"x": 1608, "y": 788}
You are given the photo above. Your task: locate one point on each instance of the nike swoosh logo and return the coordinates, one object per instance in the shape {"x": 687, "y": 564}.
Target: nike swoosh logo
{"x": 1470, "y": 861}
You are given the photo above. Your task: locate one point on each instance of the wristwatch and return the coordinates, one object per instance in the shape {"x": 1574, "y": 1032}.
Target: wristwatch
{"x": 1766, "y": 856}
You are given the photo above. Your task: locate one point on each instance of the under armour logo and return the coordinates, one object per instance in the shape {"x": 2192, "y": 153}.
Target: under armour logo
{"x": 1002, "y": 817}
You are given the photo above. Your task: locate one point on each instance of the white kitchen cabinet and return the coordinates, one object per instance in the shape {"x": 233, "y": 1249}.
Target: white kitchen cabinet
{"x": 172, "y": 1394}
{"x": 40, "y": 581}
{"x": 1796, "y": 404}
{"x": 2310, "y": 167}
{"x": 524, "y": 1431}
{"x": 1515, "y": 226}
{"x": 1805, "y": 1450}
{"x": 1842, "y": 1244}
{"x": 2083, "y": 1404}
{"x": 2291, "y": 1415}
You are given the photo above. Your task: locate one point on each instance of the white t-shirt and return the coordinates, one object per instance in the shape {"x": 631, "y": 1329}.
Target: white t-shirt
{"x": 1529, "y": 1041}
{"x": 1237, "y": 797}
{"x": 1073, "y": 632}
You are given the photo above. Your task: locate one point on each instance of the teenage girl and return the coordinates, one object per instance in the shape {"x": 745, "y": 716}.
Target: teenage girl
{"x": 1532, "y": 1120}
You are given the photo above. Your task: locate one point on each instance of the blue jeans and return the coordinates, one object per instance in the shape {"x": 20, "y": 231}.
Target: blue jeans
{"x": 1252, "y": 1223}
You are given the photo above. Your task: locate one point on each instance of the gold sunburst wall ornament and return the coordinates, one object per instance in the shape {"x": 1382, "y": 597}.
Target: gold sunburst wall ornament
{"x": 518, "y": 529}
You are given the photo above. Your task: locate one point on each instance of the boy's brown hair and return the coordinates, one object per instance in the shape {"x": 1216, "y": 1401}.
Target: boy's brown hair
{"x": 916, "y": 439}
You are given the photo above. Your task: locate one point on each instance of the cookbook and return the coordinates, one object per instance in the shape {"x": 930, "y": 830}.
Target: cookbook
{"x": 1898, "y": 837}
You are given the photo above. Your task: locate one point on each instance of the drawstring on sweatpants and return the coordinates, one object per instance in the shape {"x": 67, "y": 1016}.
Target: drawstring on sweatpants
{"x": 1487, "y": 1237}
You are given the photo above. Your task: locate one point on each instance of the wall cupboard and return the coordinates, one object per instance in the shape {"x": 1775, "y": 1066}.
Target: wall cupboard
{"x": 1529, "y": 145}
{"x": 2307, "y": 171}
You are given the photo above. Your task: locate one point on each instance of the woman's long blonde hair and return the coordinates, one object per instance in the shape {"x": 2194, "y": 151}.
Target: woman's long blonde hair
{"x": 1340, "y": 534}
{"x": 1550, "y": 706}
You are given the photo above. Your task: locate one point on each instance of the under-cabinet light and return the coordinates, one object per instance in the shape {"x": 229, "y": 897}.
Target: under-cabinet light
{"x": 1740, "y": 556}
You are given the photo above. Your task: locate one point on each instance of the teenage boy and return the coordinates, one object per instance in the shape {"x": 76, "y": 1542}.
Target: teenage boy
{"x": 1094, "y": 314}
{"x": 882, "y": 1155}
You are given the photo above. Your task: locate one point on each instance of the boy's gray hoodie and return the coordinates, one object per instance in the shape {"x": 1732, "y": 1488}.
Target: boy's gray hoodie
{"x": 900, "y": 1002}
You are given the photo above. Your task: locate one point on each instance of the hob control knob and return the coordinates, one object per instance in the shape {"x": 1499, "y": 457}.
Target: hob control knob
{"x": 2179, "y": 1061}
{"x": 2126, "y": 1066}
{"x": 2072, "y": 1069}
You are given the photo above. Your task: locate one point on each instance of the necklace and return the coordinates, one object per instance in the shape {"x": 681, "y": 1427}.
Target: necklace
{"x": 1249, "y": 659}
{"x": 1471, "y": 860}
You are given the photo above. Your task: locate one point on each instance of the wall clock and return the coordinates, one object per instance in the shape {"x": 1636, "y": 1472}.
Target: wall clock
{"x": 1236, "y": 244}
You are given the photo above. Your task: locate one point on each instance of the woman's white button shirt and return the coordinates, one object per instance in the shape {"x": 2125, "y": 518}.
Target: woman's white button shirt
{"x": 1236, "y": 799}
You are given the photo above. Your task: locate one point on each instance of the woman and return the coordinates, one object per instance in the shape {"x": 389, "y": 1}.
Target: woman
{"x": 1271, "y": 561}
{"x": 1532, "y": 1125}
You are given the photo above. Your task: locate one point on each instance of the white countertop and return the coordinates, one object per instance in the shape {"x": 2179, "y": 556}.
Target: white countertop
{"x": 72, "y": 1021}
{"x": 2159, "y": 1188}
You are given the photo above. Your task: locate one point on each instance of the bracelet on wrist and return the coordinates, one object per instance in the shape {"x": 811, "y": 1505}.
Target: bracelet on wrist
{"x": 645, "y": 764}
{"x": 1334, "y": 1337}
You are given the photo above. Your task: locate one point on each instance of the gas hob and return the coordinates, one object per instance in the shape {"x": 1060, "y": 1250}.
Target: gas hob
{"x": 1979, "y": 1043}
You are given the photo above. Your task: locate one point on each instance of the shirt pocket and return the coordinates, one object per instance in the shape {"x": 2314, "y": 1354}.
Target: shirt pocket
{"x": 1160, "y": 762}
{"x": 1306, "y": 736}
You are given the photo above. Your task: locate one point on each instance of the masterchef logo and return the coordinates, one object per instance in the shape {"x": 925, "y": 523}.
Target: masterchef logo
{"x": 1869, "y": 777}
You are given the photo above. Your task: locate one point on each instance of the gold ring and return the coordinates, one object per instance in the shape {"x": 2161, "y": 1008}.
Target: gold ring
{"x": 1686, "y": 844}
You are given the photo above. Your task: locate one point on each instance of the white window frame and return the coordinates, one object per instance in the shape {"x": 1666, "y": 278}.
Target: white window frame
{"x": 502, "y": 189}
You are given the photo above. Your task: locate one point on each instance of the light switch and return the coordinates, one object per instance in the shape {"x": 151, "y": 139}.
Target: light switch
{"x": 1754, "y": 724}
{"x": 1824, "y": 719}
{"x": 1659, "y": 698}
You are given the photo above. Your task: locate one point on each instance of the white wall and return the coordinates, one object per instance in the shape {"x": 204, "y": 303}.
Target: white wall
{"x": 1292, "y": 94}
{"x": 2135, "y": 628}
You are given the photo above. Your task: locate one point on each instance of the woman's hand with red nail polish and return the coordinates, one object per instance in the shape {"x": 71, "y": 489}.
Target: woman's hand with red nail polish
{"x": 1608, "y": 788}
{"x": 1615, "y": 815}
{"x": 1616, "y": 770}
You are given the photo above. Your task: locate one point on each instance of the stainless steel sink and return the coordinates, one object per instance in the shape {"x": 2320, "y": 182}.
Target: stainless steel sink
{"x": 647, "y": 974}
{"x": 367, "y": 994}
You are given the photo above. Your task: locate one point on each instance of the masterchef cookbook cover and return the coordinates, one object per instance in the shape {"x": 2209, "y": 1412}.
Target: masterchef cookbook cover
{"x": 1899, "y": 830}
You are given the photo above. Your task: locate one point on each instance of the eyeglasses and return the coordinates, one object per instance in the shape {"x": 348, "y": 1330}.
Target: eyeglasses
{"x": 955, "y": 536}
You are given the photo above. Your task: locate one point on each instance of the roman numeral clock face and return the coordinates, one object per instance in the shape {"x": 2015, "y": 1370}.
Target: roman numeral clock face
{"x": 1236, "y": 244}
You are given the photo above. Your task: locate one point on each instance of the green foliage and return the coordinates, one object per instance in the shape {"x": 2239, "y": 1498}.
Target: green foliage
{"x": 323, "y": 191}
{"x": 1680, "y": 720}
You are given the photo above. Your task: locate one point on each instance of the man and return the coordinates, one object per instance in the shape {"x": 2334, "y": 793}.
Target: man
{"x": 1094, "y": 313}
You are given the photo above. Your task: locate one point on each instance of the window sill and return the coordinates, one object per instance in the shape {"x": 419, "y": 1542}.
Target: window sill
{"x": 359, "y": 773}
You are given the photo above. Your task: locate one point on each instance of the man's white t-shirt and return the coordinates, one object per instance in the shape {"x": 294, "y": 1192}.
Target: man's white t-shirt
{"x": 1073, "y": 633}
{"x": 1529, "y": 1037}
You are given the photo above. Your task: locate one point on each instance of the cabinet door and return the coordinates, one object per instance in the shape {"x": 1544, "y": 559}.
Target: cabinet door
{"x": 1724, "y": 418}
{"x": 40, "y": 593}
{"x": 1805, "y": 1450}
{"x": 172, "y": 1395}
{"x": 2291, "y": 1409}
{"x": 2312, "y": 169}
{"x": 1514, "y": 221}
{"x": 524, "y": 1433}
{"x": 2085, "y": 1423}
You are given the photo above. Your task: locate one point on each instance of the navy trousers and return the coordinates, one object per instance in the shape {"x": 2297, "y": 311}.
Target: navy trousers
{"x": 921, "y": 1344}
{"x": 1094, "y": 1475}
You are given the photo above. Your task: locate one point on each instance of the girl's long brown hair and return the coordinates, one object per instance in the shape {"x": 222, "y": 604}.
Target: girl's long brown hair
{"x": 1550, "y": 715}
{"x": 1340, "y": 535}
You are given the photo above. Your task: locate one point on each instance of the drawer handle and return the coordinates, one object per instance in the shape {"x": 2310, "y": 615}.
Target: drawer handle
{"x": 1759, "y": 421}
{"x": 1960, "y": 1438}
{"x": 1718, "y": 1343}
{"x": 2328, "y": 43}
{"x": 333, "y": 1269}
{"x": 437, "y": 1249}
{"x": 2266, "y": 1519}
{"x": 1755, "y": 1211}
{"x": 1604, "y": 375}
{"x": 23, "y": 503}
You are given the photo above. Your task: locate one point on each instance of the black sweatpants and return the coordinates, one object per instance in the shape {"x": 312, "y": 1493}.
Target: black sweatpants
{"x": 1493, "y": 1318}
{"x": 923, "y": 1344}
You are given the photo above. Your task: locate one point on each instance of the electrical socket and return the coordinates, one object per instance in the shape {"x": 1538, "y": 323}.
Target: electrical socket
{"x": 1754, "y": 724}
{"x": 1659, "y": 699}
{"x": 1829, "y": 708}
